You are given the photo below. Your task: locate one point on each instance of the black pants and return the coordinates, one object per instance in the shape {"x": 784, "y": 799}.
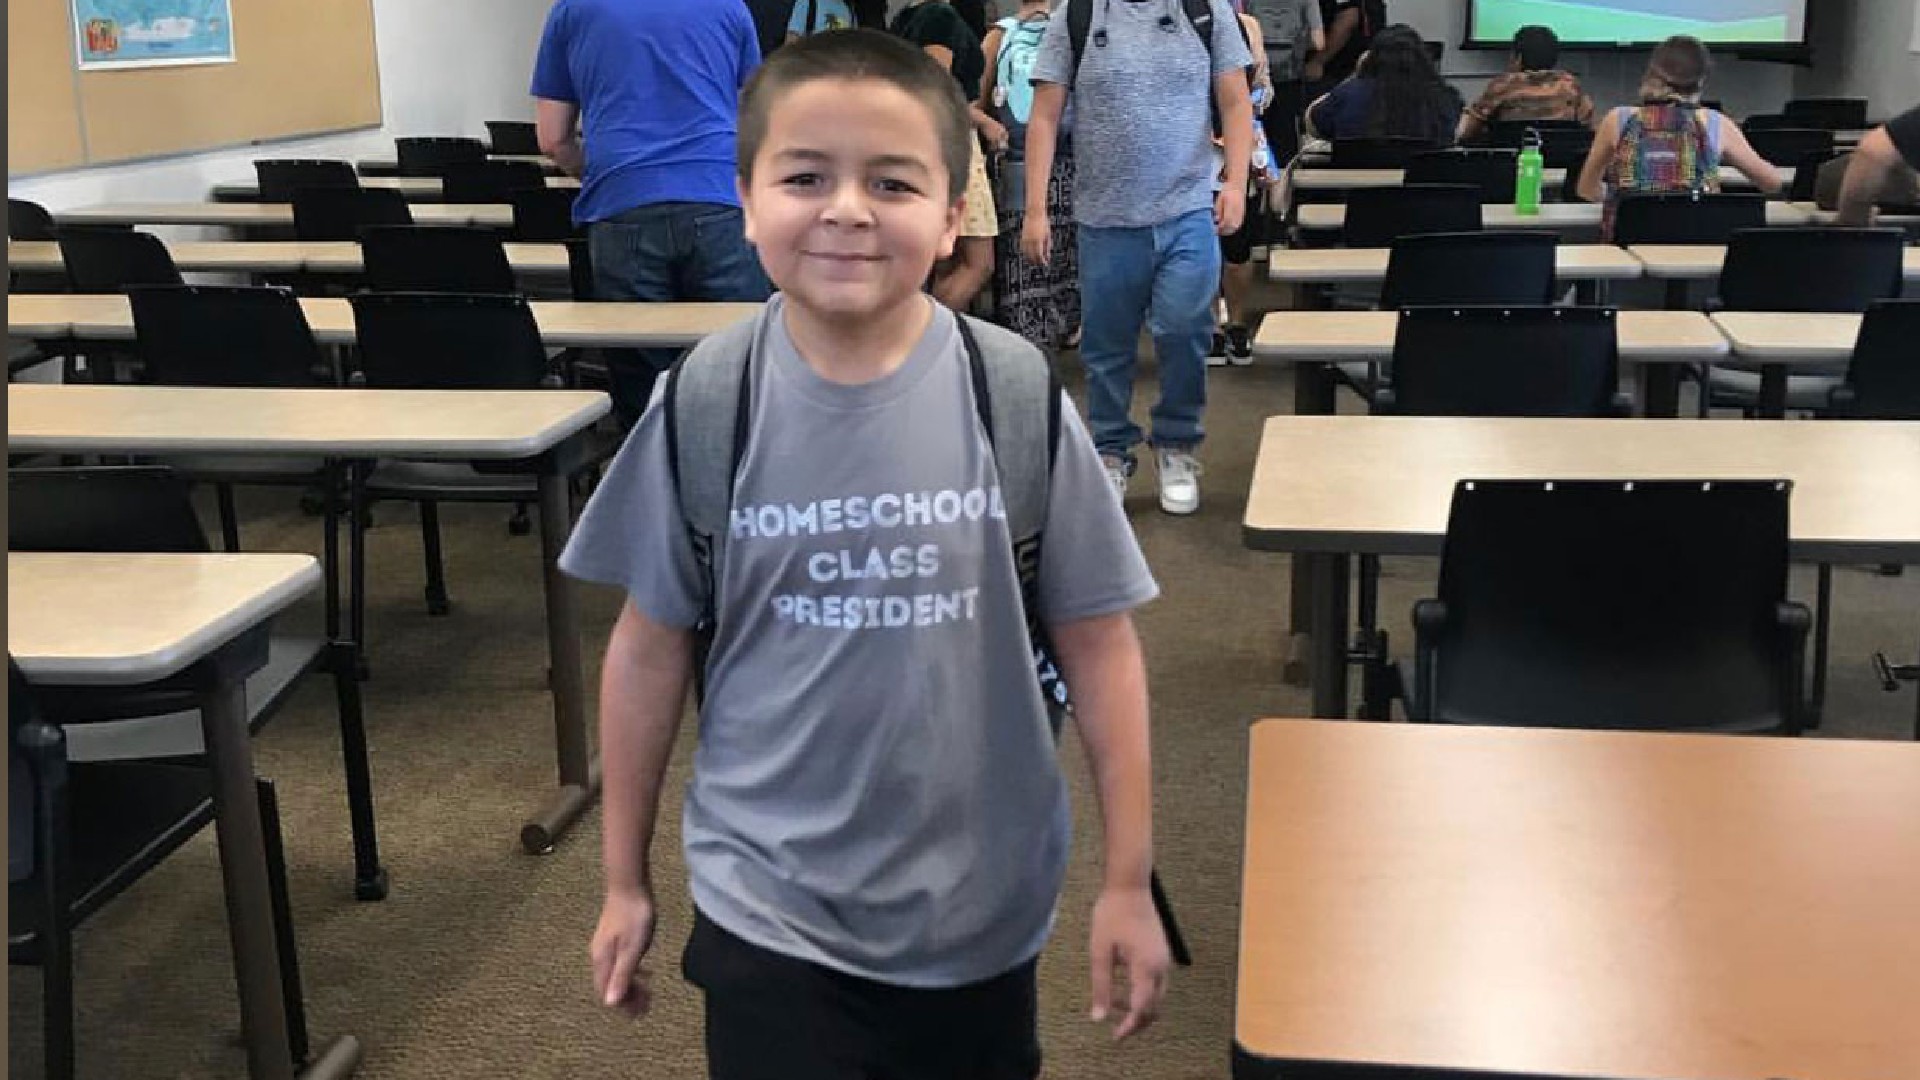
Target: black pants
{"x": 1282, "y": 119}
{"x": 772, "y": 1017}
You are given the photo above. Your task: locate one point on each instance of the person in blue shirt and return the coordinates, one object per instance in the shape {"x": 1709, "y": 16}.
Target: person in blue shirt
{"x": 641, "y": 101}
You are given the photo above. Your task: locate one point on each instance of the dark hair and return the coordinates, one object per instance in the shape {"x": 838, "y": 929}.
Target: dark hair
{"x": 859, "y": 54}
{"x": 1677, "y": 69}
{"x": 1410, "y": 99}
{"x": 1538, "y": 48}
{"x": 974, "y": 14}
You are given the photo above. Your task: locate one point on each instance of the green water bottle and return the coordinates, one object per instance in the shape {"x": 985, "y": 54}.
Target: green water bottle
{"x": 1526, "y": 186}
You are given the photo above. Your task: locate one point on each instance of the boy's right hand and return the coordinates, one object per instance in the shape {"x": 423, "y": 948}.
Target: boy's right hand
{"x": 1036, "y": 237}
{"x": 620, "y": 942}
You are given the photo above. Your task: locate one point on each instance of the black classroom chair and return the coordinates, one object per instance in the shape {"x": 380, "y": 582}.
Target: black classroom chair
{"x": 1686, "y": 217}
{"x": 1883, "y": 378}
{"x": 429, "y": 155}
{"x": 1788, "y": 146}
{"x": 513, "y": 137}
{"x": 1376, "y": 217}
{"x": 29, "y": 221}
{"x": 543, "y": 214}
{"x": 1833, "y": 114}
{"x": 427, "y": 258}
{"x": 1645, "y": 605}
{"x": 1378, "y": 153}
{"x": 1493, "y": 171}
{"x": 340, "y": 213}
{"x": 489, "y": 181}
{"x": 112, "y": 260}
{"x": 279, "y": 178}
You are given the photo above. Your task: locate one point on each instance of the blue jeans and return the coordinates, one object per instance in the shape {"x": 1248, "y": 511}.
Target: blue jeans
{"x": 1167, "y": 276}
{"x": 668, "y": 251}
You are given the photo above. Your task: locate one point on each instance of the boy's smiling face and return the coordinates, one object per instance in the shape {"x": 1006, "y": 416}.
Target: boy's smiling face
{"x": 849, "y": 204}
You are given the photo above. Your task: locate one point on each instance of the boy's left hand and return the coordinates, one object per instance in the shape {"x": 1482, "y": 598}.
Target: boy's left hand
{"x": 1128, "y": 943}
{"x": 1229, "y": 208}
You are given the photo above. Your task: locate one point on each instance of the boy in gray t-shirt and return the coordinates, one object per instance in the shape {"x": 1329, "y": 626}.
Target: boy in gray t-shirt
{"x": 876, "y": 827}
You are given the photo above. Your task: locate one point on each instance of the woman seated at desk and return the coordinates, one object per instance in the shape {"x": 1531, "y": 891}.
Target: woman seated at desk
{"x": 1396, "y": 92}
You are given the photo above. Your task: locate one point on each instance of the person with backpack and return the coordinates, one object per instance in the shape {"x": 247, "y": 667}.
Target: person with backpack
{"x": 1293, "y": 33}
{"x": 1038, "y": 301}
{"x": 1668, "y": 142}
{"x": 873, "y": 534}
{"x": 940, "y": 31}
{"x": 1534, "y": 87}
{"x": 817, "y": 17}
{"x": 1151, "y": 83}
{"x": 1397, "y": 93}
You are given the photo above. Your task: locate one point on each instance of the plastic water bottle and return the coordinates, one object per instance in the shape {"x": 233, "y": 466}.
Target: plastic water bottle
{"x": 1526, "y": 186}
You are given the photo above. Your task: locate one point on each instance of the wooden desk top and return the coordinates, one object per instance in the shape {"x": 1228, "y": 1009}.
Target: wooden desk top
{"x": 263, "y": 214}
{"x": 1619, "y": 904}
{"x": 1644, "y": 336}
{"x": 1384, "y": 484}
{"x": 563, "y": 323}
{"x": 460, "y": 424}
{"x": 1700, "y": 261}
{"x": 413, "y": 187}
{"x": 103, "y": 620}
{"x": 273, "y": 256}
{"x": 1781, "y": 337}
{"x": 1572, "y": 262}
{"x": 1565, "y": 216}
{"x": 1817, "y": 216}
{"x": 391, "y": 165}
{"x": 1326, "y": 178}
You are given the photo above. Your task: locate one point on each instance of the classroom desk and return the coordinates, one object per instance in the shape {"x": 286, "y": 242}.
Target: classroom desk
{"x": 1660, "y": 342}
{"x": 1817, "y": 216}
{"x": 1338, "y": 266}
{"x": 563, "y": 323}
{"x": 544, "y": 426}
{"x": 1774, "y": 341}
{"x": 1561, "y": 217}
{"x": 274, "y": 256}
{"x": 76, "y": 620}
{"x": 1325, "y": 178}
{"x": 1576, "y": 903}
{"x": 1330, "y": 487}
{"x": 413, "y": 187}
{"x": 1701, "y": 262}
{"x": 391, "y": 166}
{"x": 257, "y": 215}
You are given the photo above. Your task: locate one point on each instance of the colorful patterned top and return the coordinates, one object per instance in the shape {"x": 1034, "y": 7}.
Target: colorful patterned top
{"x": 1662, "y": 148}
{"x": 1533, "y": 95}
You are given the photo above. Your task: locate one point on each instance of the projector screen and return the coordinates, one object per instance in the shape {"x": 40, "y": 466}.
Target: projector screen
{"x": 1608, "y": 23}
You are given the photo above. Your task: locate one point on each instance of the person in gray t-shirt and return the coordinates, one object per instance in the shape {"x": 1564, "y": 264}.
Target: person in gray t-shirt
{"x": 1150, "y": 198}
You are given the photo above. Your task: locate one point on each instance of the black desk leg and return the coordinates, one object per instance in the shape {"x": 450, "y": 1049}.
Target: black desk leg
{"x": 1660, "y": 389}
{"x": 1773, "y": 391}
{"x": 369, "y": 877}
{"x": 1330, "y": 576}
{"x": 1822, "y": 625}
{"x": 1314, "y": 392}
{"x": 579, "y": 774}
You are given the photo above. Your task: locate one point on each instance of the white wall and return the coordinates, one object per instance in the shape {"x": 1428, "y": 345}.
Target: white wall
{"x": 445, "y": 69}
{"x": 1864, "y": 48}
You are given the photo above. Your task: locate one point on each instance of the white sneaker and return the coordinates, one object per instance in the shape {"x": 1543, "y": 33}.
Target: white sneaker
{"x": 1179, "y": 481}
{"x": 1116, "y": 475}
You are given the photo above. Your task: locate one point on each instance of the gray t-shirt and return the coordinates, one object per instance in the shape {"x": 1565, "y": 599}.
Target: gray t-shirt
{"x": 876, "y": 788}
{"x": 1142, "y": 122}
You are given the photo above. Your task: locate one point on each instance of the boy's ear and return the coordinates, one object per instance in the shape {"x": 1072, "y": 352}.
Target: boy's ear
{"x": 746, "y": 205}
{"x": 950, "y": 233}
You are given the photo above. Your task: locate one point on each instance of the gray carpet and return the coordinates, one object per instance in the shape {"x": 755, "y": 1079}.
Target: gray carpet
{"x": 476, "y": 966}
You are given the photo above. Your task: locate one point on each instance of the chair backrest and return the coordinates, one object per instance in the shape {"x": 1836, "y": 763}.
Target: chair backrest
{"x": 340, "y": 213}
{"x": 448, "y": 341}
{"x": 113, "y": 260}
{"x": 1493, "y": 171}
{"x": 1513, "y": 133}
{"x": 1764, "y": 122}
{"x": 427, "y": 155}
{"x": 280, "y": 178}
{"x": 101, "y": 508}
{"x": 28, "y": 221}
{"x": 489, "y": 181}
{"x": 1603, "y": 604}
{"x": 544, "y": 214}
{"x": 512, "y": 137}
{"x": 1834, "y": 114}
{"x": 1789, "y": 146}
{"x": 1805, "y": 186}
{"x": 1508, "y": 267}
{"x": 224, "y": 335}
{"x": 430, "y": 258}
{"x": 580, "y": 269}
{"x": 1810, "y": 269}
{"x": 1380, "y": 153}
{"x": 1883, "y": 381}
{"x": 1505, "y": 361}
{"x": 1686, "y": 217}
{"x": 1566, "y": 148}
{"x": 1376, "y": 217}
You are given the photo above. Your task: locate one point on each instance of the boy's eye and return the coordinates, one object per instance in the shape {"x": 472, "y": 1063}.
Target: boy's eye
{"x": 802, "y": 180}
{"x": 895, "y": 187}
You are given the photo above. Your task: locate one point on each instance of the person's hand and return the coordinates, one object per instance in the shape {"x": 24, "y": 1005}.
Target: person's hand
{"x": 619, "y": 944}
{"x": 1316, "y": 69}
{"x": 1036, "y": 238}
{"x": 1128, "y": 944}
{"x": 995, "y": 133}
{"x": 1229, "y": 208}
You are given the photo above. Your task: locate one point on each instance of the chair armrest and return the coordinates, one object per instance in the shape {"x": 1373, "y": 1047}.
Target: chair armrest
{"x": 1795, "y": 622}
{"x": 1429, "y": 618}
{"x": 1385, "y": 402}
{"x": 1713, "y": 304}
{"x": 1622, "y": 404}
{"x": 1841, "y": 400}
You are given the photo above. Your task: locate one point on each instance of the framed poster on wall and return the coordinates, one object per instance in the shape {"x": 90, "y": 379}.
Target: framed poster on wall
{"x": 112, "y": 34}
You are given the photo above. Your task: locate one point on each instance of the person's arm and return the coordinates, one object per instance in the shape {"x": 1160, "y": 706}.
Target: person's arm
{"x": 941, "y": 55}
{"x": 1872, "y": 163}
{"x": 557, "y": 126}
{"x": 1736, "y": 151}
{"x": 1593, "y": 175}
{"x": 1043, "y": 133}
{"x": 1345, "y": 24}
{"x": 1257, "y": 45}
{"x": 643, "y": 687}
{"x": 1474, "y": 120}
{"x": 1100, "y": 658}
{"x": 1236, "y": 124}
{"x": 981, "y": 110}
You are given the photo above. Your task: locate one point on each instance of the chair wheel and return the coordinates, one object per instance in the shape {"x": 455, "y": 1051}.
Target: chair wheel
{"x": 520, "y": 524}
{"x": 371, "y": 888}
{"x": 438, "y": 605}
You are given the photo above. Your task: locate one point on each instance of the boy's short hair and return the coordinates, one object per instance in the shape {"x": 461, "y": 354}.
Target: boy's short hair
{"x": 859, "y": 54}
{"x": 1538, "y": 48}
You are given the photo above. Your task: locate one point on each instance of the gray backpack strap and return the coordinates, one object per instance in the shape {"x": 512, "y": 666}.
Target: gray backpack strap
{"x": 708, "y": 402}
{"x": 1019, "y": 399}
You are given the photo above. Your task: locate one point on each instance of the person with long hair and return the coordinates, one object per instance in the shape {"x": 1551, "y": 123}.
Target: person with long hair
{"x": 1669, "y": 141}
{"x": 1396, "y": 92}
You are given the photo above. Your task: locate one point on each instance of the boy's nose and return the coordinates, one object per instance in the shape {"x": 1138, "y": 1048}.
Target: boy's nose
{"x": 849, "y": 206}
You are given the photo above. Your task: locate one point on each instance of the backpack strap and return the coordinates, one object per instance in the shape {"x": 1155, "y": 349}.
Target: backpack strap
{"x": 1079, "y": 24}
